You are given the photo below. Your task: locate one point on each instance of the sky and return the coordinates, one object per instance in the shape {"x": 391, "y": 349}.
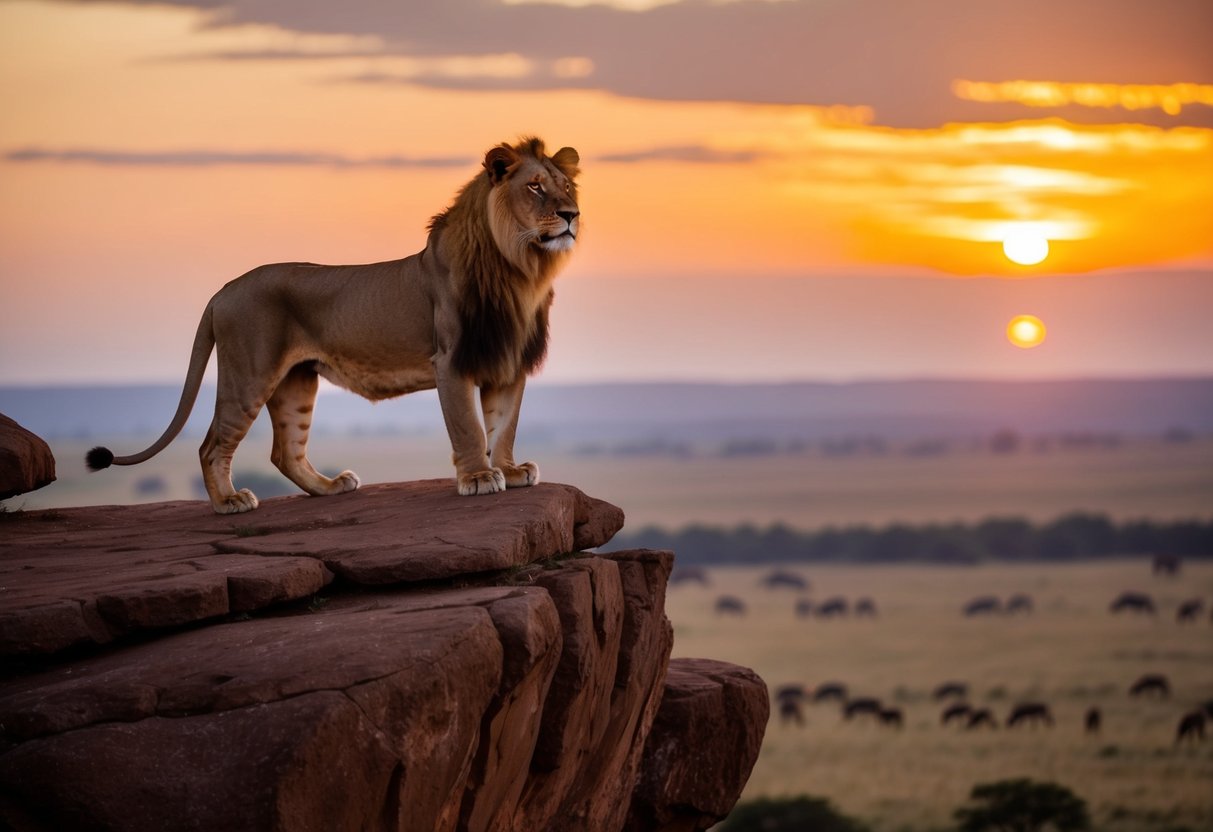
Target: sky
{"x": 771, "y": 189}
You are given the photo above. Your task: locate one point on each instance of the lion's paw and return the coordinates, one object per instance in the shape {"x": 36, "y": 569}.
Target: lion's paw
{"x": 238, "y": 503}
{"x": 519, "y": 476}
{"x": 345, "y": 481}
{"x": 481, "y": 482}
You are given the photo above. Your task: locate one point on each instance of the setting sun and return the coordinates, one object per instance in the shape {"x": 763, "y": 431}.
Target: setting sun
{"x": 1026, "y": 331}
{"x": 1025, "y": 246}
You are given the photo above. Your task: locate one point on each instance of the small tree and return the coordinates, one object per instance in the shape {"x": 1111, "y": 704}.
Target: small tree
{"x": 1023, "y": 806}
{"x": 794, "y": 814}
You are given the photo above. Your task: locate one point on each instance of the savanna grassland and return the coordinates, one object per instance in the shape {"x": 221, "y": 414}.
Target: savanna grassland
{"x": 1069, "y": 653}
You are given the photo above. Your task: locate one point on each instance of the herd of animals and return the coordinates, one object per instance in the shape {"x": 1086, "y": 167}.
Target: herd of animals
{"x": 790, "y": 699}
{"x": 955, "y": 710}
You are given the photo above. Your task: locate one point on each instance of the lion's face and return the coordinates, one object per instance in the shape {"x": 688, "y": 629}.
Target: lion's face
{"x": 535, "y": 197}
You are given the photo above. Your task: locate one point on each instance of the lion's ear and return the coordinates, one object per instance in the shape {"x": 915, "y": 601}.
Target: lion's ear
{"x": 566, "y": 159}
{"x": 498, "y": 161}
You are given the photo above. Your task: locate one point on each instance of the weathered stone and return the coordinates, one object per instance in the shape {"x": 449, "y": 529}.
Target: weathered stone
{"x": 519, "y": 706}
{"x": 589, "y": 598}
{"x": 131, "y": 568}
{"x": 600, "y": 793}
{"x": 26, "y": 461}
{"x": 702, "y": 746}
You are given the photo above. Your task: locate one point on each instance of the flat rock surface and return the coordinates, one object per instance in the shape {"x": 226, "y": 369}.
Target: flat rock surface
{"x": 90, "y": 575}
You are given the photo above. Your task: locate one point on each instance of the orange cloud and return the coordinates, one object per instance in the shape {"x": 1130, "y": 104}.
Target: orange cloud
{"x": 1170, "y": 98}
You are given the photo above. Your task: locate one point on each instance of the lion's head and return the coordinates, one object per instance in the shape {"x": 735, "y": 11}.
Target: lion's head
{"x": 534, "y": 198}
{"x": 507, "y": 234}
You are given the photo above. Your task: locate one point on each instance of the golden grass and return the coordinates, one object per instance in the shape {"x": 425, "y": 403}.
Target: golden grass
{"x": 1071, "y": 653}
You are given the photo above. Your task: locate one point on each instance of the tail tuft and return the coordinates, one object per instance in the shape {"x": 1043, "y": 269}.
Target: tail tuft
{"x": 99, "y": 458}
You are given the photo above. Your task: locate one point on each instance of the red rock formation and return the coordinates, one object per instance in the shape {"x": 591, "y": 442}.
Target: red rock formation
{"x": 534, "y": 698}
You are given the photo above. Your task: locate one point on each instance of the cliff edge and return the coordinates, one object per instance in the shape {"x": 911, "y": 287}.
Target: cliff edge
{"x": 394, "y": 658}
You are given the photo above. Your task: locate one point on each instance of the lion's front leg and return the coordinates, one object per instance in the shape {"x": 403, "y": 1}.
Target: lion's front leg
{"x": 473, "y": 473}
{"x": 501, "y": 405}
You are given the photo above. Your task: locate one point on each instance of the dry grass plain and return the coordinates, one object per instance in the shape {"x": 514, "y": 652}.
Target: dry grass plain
{"x": 1070, "y": 653}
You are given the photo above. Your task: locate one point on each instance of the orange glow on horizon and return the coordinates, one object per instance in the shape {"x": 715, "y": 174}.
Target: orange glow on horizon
{"x": 1170, "y": 98}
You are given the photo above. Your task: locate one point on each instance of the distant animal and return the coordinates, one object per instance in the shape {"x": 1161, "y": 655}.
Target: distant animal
{"x": 1093, "y": 721}
{"x": 1166, "y": 565}
{"x": 1191, "y": 726}
{"x": 892, "y": 717}
{"x": 804, "y": 608}
{"x": 861, "y": 705}
{"x": 730, "y": 605}
{"x": 945, "y": 689}
{"x": 832, "y": 607}
{"x": 1190, "y": 610}
{"x": 790, "y": 711}
{"x": 789, "y": 580}
{"x": 689, "y": 575}
{"x": 1019, "y": 603}
{"x": 983, "y": 605}
{"x": 865, "y": 607}
{"x": 790, "y": 691}
{"x": 1151, "y": 683}
{"x": 1208, "y": 708}
{"x": 1030, "y": 713}
{"x": 469, "y": 311}
{"x": 830, "y": 690}
{"x": 981, "y": 718}
{"x": 1134, "y": 602}
{"x": 958, "y": 712}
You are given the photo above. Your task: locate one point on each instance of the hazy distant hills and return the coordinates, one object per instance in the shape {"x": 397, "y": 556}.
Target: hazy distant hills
{"x": 689, "y": 411}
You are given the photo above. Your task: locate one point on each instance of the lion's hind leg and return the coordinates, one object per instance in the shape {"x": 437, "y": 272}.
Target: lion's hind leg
{"x": 291, "y": 408}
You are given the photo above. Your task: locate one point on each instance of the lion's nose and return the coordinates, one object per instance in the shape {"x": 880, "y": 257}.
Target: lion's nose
{"x": 568, "y": 216}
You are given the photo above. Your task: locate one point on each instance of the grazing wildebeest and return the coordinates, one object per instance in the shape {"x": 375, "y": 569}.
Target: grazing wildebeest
{"x": 862, "y": 705}
{"x": 688, "y": 575}
{"x": 790, "y": 711}
{"x": 1166, "y": 564}
{"x": 730, "y": 604}
{"x": 892, "y": 717}
{"x": 832, "y": 607}
{"x": 1030, "y": 712}
{"x": 790, "y": 691}
{"x": 780, "y": 578}
{"x": 945, "y": 689}
{"x": 1191, "y": 726}
{"x": 1190, "y": 610}
{"x": 1018, "y": 603}
{"x": 983, "y": 605}
{"x": 959, "y": 711}
{"x": 1208, "y": 708}
{"x": 1151, "y": 683}
{"x": 830, "y": 690}
{"x": 865, "y": 606}
{"x": 979, "y": 718}
{"x": 1133, "y": 601}
{"x": 1093, "y": 720}
{"x": 804, "y": 608}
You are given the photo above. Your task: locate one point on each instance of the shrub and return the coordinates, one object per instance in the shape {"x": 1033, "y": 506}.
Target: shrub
{"x": 792, "y": 814}
{"x": 1022, "y": 806}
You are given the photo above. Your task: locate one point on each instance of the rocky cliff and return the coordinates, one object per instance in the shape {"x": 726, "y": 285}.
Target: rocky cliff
{"x": 393, "y": 658}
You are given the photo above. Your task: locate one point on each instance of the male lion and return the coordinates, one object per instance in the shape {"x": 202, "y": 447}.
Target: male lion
{"x": 468, "y": 311}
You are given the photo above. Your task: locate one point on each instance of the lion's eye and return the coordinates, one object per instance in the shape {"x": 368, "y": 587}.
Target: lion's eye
{"x": 535, "y": 187}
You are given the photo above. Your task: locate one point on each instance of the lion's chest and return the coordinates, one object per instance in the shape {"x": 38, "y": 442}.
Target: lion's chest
{"x": 376, "y": 382}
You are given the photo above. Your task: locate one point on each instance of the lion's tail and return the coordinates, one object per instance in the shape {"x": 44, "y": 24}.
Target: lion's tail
{"x": 204, "y": 342}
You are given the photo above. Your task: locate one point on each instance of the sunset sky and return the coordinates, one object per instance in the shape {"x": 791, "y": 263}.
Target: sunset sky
{"x": 772, "y": 189}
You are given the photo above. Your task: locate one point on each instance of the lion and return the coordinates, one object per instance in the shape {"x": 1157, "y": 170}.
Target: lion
{"x": 470, "y": 311}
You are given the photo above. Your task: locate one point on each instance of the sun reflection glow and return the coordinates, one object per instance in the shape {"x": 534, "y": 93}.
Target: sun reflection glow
{"x": 1026, "y": 331}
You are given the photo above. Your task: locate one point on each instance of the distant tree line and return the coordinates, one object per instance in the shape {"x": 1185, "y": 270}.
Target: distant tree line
{"x": 1071, "y": 537}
